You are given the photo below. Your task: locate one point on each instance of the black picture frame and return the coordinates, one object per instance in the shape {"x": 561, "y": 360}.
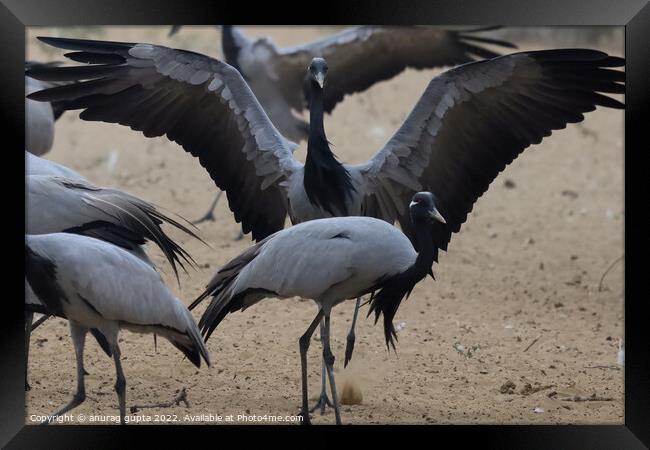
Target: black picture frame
{"x": 634, "y": 15}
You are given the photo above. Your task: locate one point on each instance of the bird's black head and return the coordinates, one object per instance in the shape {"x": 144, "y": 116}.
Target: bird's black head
{"x": 423, "y": 208}
{"x": 318, "y": 71}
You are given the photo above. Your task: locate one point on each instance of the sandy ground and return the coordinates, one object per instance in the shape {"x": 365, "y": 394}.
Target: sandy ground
{"x": 516, "y": 299}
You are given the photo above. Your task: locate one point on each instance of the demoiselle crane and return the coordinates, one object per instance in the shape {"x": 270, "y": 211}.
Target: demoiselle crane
{"x": 329, "y": 261}
{"x": 39, "y": 117}
{"x": 57, "y": 204}
{"x": 358, "y": 58}
{"x": 470, "y": 122}
{"x": 95, "y": 284}
{"x": 35, "y": 165}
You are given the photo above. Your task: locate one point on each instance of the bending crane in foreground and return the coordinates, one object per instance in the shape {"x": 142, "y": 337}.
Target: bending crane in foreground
{"x": 95, "y": 284}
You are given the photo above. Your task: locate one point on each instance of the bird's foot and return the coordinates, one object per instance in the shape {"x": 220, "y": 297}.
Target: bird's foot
{"x": 322, "y": 403}
{"x": 208, "y": 217}
{"x": 240, "y": 236}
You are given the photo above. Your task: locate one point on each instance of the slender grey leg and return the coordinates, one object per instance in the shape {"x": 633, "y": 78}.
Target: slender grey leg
{"x": 328, "y": 356}
{"x": 78, "y": 333}
{"x": 209, "y": 216}
{"x": 120, "y": 383}
{"x": 323, "y": 401}
{"x": 29, "y": 316}
{"x": 303, "y": 343}
{"x": 349, "y": 345}
{"x": 240, "y": 236}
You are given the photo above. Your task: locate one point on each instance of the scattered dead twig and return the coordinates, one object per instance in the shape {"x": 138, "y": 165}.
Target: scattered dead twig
{"x": 532, "y": 343}
{"x": 180, "y": 397}
{"x": 591, "y": 398}
{"x": 602, "y": 278}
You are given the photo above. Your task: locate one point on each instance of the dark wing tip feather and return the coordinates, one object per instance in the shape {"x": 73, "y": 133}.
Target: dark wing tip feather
{"x": 86, "y": 44}
{"x": 481, "y": 52}
{"x": 94, "y": 58}
{"x": 490, "y": 41}
{"x": 482, "y": 28}
{"x": 72, "y": 73}
{"x": 112, "y": 90}
{"x": 584, "y": 73}
{"x": 568, "y": 55}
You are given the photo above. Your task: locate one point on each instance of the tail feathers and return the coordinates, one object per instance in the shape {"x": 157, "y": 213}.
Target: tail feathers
{"x": 228, "y": 273}
{"x": 141, "y": 219}
{"x": 109, "y": 232}
{"x": 190, "y": 352}
{"x": 221, "y": 305}
{"x": 220, "y": 288}
{"x": 192, "y": 346}
{"x": 224, "y": 302}
{"x": 206, "y": 293}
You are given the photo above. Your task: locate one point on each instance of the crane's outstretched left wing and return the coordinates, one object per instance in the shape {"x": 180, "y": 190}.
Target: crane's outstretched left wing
{"x": 199, "y": 102}
{"x": 474, "y": 120}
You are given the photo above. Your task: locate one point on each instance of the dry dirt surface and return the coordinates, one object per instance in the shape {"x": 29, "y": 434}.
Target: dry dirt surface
{"x": 517, "y": 328}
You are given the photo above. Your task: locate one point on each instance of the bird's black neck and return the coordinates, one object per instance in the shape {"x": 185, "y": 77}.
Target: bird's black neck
{"x": 427, "y": 254}
{"x": 327, "y": 183}
{"x": 316, "y": 110}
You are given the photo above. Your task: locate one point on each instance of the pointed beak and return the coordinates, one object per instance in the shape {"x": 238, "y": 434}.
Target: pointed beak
{"x": 435, "y": 215}
{"x": 320, "y": 79}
